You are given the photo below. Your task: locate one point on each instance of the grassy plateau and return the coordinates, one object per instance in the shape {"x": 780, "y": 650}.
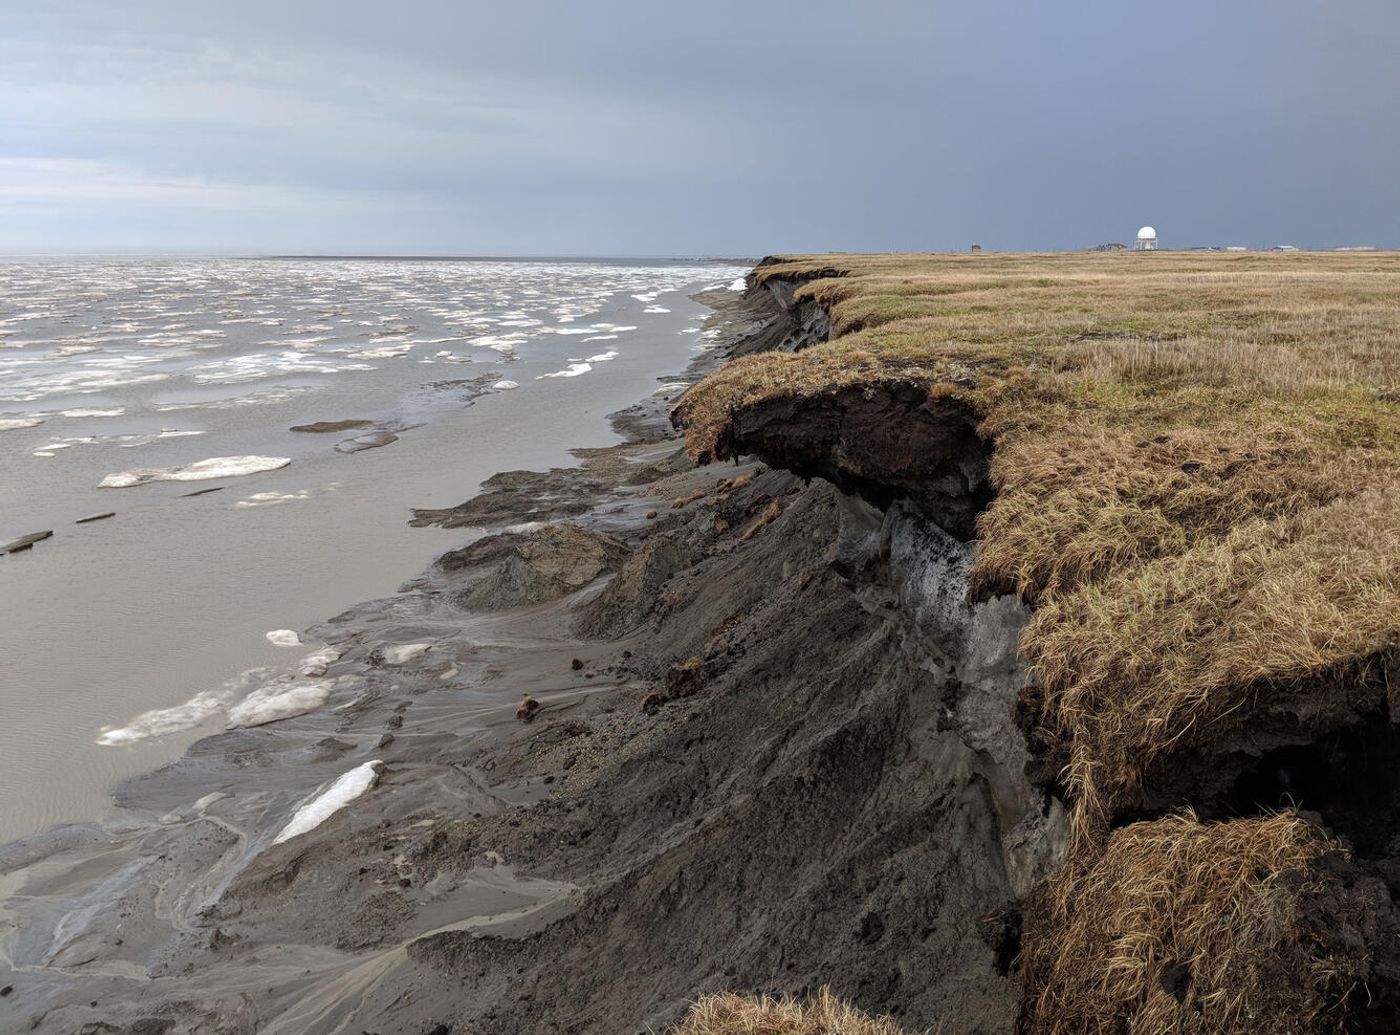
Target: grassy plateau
{"x": 1195, "y": 459}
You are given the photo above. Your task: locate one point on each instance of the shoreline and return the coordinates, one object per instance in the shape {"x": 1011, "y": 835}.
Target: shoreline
{"x": 186, "y": 806}
{"x": 287, "y": 548}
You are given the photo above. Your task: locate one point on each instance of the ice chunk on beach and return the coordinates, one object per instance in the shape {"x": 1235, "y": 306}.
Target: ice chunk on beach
{"x": 316, "y": 663}
{"x": 280, "y": 699}
{"x": 505, "y": 386}
{"x": 405, "y": 652}
{"x": 214, "y": 467}
{"x": 160, "y": 721}
{"x": 739, "y": 284}
{"x": 346, "y": 788}
{"x": 284, "y": 638}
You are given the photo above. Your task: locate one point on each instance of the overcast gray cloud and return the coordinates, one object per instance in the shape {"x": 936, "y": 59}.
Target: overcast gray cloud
{"x": 621, "y": 127}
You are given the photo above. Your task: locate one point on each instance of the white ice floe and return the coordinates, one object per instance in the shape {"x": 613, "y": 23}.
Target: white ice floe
{"x": 132, "y": 441}
{"x": 162, "y": 721}
{"x": 655, "y": 309}
{"x": 115, "y": 411}
{"x": 239, "y": 369}
{"x": 573, "y": 370}
{"x": 316, "y": 663}
{"x": 388, "y": 352}
{"x": 345, "y": 789}
{"x": 214, "y": 467}
{"x": 603, "y": 357}
{"x": 505, "y": 386}
{"x": 601, "y": 337}
{"x": 405, "y": 652}
{"x": 280, "y": 699}
{"x": 269, "y": 499}
{"x": 15, "y": 423}
{"x": 284, "y": 638}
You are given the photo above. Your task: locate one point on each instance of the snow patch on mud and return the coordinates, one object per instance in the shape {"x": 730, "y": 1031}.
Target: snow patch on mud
{"x": 346, "y": 788}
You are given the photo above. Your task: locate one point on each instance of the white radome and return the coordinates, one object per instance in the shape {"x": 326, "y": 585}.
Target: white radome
{"x": 1147, "y": 234}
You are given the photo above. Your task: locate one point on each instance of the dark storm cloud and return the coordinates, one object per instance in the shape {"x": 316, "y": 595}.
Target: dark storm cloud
{"x": 626, "y": 127}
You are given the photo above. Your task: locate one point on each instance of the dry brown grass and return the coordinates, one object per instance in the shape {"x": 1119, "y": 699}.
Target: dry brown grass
{"x": 727, "y": 1014}
{"x": 770, "y": 514}
{"x": 1195, "y": 458}
{"x": 1183, "y": 927}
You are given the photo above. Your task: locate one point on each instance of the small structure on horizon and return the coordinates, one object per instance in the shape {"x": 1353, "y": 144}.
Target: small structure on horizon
{"x": 1147, "y": 239}
{"x": 976, "y": 248}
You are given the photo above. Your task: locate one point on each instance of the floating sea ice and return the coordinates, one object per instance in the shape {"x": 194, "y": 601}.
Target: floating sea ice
{"x": 655, "y": 309}
{"x": 160, "y": 721}
{"x": 389, "y": 352}
{"x": 505, "y": 386}
{"x": 346, "y": 788}
{"x": 573, "y": 370}
{"x": 284, "y": 638}
{"x": 15, "y": 423}
{"x": 405, "y": 652}
{"x": 214, "y": 467}
{"x": 603, "y": 357}
{"x": 115, "y": 411}
{"x": 267, "y": 499}
{"x": 280, "y": 699}
{"x": 601, "y": 337}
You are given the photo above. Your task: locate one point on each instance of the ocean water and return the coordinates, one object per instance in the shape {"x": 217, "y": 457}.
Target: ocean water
{"x": 130, "y": 385}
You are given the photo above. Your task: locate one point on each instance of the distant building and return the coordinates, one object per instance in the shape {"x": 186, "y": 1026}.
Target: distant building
{"x": 1236, "y": 248}
{"x": 1112, "y": 246}
{"x": 976, "y": 248}
{"x": 1147, "y": 239}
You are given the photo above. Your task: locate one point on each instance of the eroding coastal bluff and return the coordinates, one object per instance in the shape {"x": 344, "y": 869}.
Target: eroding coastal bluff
{"x": 994, "y": 643}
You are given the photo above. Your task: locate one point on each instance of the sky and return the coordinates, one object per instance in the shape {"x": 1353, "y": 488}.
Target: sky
{"x": 621, "y": 127}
